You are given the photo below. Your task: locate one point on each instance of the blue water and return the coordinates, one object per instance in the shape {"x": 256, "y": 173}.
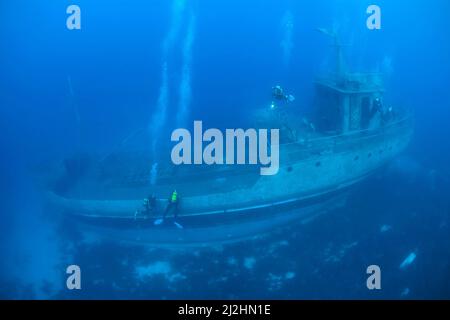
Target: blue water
{"x": 159, "y": 64}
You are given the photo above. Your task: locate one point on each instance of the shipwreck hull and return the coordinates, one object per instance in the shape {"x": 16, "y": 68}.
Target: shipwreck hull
{"x": 209, "y": 230}
{"x": 309, "y": 171}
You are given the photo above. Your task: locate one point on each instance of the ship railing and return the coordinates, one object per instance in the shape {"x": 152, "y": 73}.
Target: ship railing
{"x": 331, "y": 142}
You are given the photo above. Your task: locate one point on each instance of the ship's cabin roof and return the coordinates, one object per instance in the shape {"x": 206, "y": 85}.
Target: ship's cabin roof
{"x": 352, "y": 83}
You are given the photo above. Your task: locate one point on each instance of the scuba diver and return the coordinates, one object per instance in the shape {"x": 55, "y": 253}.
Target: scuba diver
{"x": 386, "y": 113}
{"x": 148, "y": 207}
{"x": 377, "y": 106}
{"x": 172, "y": 206}
{"x": 279, "y": 95}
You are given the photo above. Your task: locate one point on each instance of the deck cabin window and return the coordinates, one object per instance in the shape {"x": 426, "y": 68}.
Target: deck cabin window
{"x": 329, "y": 114}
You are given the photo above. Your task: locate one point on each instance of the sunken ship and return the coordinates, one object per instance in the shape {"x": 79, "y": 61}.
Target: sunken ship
{"x": 352, "y": 132}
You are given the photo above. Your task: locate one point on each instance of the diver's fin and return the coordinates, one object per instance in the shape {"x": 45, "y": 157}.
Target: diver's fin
{"x": 291, "y": 98}
{"x": 179, "y": 226}
{"x": 158, "y": 222}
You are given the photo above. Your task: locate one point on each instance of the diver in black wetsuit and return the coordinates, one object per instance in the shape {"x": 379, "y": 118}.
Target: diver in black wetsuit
{"x": 279, "y": 95}
{"x": 148, "y": 207}
{"x": 172, "y": 205}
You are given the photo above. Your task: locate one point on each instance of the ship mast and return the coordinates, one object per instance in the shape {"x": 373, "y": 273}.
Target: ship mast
{"x": 340, "y": 66}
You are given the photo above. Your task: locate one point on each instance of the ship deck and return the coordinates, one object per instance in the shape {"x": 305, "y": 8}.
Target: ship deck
{"x": 125, "y": 175}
